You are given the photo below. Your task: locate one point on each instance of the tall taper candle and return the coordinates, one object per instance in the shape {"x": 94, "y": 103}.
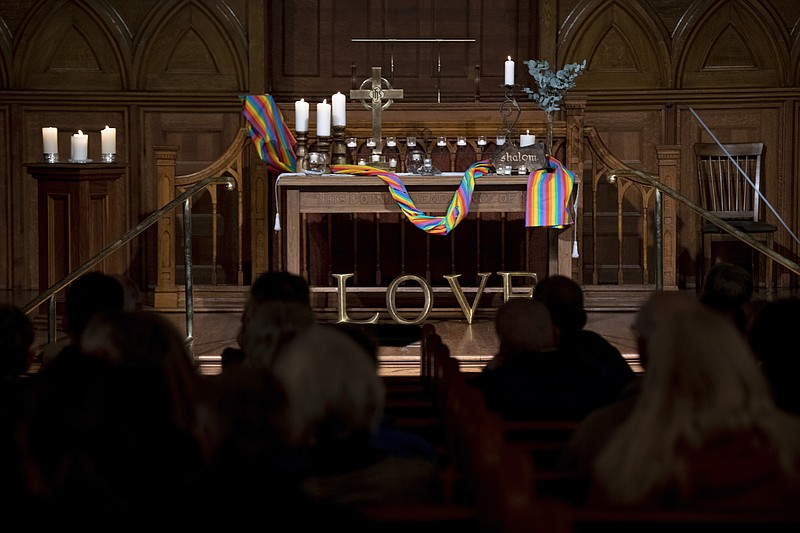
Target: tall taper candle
{"x": 339, "y": 109}
{"x": 301, "y": 115}
{"x": 509, "y": 77}
{"x": 108, "y": 140}
{"x": 324, "y": 119}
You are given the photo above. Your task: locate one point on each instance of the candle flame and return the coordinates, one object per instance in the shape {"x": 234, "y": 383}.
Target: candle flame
{"x": 509, "y": 58}
{"x": 80, "y": 132}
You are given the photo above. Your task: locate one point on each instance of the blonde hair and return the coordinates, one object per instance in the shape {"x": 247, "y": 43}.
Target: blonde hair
{"x": 701, "y": 381}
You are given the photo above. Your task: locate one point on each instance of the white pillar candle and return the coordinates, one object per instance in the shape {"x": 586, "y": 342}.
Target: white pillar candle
{"x": 339, "y": 109}
{"x": 509, "y": 72}
{"x": 50, "y": 140}
{"x": 108, "y": 140}
{"x": 301, "y": 115}
{"x": 80, "y": 146}
{"x": 526, "y": 139}
{"x": 324, "y": 119}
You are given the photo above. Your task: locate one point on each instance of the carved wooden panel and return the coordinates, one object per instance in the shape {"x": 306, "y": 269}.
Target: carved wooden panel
{"x": 315, "y": 50}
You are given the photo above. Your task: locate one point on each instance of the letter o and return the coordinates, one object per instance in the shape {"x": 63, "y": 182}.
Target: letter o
{"x": 391, "y": 293}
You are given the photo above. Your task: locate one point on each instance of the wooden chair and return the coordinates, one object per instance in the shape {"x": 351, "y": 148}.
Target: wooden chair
{"x": 726, "y": 193}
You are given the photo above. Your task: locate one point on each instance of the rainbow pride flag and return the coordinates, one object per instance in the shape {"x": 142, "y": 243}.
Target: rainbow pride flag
{"x": 435, "y": 225}
{"x": 271, "y": 136}
{"x": 549, "y": 195}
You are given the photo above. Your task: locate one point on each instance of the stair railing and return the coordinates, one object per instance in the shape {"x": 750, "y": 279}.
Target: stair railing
{"x": 184, "y": 198}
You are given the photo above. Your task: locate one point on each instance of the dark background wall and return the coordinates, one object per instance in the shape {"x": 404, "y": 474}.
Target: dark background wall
{"x": 169, "y": 72}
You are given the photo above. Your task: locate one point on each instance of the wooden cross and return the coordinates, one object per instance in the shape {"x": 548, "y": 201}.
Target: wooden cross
{"x": 376, "y": 95}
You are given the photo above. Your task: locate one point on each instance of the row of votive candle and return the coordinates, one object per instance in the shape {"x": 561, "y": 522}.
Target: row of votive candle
{"x": 79, "y": 143}
{"x": 326, "y": 113}
{"x": 526, "y": 139}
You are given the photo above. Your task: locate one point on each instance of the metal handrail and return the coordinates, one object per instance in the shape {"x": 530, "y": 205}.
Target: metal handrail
{"x": 653, "y": 181}
{"x": 184, "y": 197}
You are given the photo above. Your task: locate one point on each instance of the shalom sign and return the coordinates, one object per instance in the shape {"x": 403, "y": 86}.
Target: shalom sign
{"x": 514, "y": 157}
{"x": 467, "y": 307}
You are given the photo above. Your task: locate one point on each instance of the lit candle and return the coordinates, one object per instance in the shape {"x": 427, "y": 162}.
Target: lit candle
{"x": 301, "y": 115}
{"x": 462, "y": 141}
{"x": 482, "y": 140}
{"x": 391, "y": 141}
{"x": 80, "y": 146}
{"x": 324, "y": 119}
{"x": 501, "y": 140}
{"x": 108, "y": 140}
{"x": 441, "y": 142}
{"x": 50, "y": 140}
{"x": 526, "y": 139}
{"x": 339, "y": 109}
{"x": 509, "y": 72}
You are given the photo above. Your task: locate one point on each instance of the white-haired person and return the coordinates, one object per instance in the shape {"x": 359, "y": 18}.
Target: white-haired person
{"x": 335, "y": 399}
{"x": 705, "y": 432}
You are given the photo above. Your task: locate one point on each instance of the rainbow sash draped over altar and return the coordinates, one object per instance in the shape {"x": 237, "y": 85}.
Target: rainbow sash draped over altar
{"x": 271, "y": 136}
{"x": 548, "y": 196}
{"x": 435, "y": 225}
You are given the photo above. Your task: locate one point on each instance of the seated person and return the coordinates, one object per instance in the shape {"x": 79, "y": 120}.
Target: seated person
{"x": 704, "y": 433}
{"x": 726, "y": 289}
{"x": 531, "y": 377}
{"x": 564, "y": 299}
{"x": 335, "y": 401}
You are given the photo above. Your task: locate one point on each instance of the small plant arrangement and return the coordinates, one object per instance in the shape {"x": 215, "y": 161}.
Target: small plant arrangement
{"x": 551, "y": 88}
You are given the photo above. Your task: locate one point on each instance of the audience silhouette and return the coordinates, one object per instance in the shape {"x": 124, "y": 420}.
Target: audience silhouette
{"x": 531, "y": 376}
{"x": 726, "y": 289}
{"x": 704, "y": 432}
{"x": 597, "y": 428}
{"x": 16, "y": 339}
{"x": 335, "y": 399}
{"x": 563, "y": 297}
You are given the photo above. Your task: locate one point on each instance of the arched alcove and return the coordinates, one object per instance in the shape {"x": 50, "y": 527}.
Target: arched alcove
{"x": 731, "y": 45}
{"x": 619, "y": 42}
{"x": 70, "y": 47}
{"x": 184, "y": 47}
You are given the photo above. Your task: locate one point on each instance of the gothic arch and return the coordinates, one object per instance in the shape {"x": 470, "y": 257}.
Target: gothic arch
{"x": 591, "y": 33}
{"x": 732, "y": 43}
{"x": 72, "y": 45}
{"x": 184, "y": 46}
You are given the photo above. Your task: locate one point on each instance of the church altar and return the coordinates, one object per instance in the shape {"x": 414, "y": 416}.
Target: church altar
{"x": 301, "y": 195}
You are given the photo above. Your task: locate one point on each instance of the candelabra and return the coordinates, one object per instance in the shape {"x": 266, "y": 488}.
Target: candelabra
{"x": 509, "y": 113}
{"x": 301, "y": 150}
{"x": 338, "y": 148}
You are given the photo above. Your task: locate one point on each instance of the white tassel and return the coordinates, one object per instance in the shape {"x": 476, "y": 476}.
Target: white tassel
{"x": 277, "y": 222}
{"x": 575, "y": 250}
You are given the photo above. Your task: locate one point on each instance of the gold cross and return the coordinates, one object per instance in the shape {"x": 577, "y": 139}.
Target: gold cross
{"x": 376, "y": 95}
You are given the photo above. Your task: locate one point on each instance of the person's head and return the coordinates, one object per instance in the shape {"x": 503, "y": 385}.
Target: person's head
{"x": 89, "y": 294}
{"x": 281, "y": 293}
{"x": 333, "y": 390}
{"x": 523, "y": 325}
{"x": 16, "y": 339}
{"x": 564, "y": 299}
{"x": 271, "y": 325}
{"x": 146, "y": 340}
{"x": 701, "y": 382}
{"x": 726, "y": 288}
{"x": 280, "y": 285}
{"x": 659, "y": 307}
